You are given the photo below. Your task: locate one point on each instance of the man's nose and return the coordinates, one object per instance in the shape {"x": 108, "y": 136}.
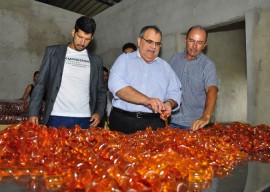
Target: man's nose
{"x": 153, "y": 44}
{"x": 83, "y": 41}
{"x": 195, "y": 45}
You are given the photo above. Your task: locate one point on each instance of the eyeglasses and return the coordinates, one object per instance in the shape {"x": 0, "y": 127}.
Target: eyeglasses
{"x": 150, "y": 42}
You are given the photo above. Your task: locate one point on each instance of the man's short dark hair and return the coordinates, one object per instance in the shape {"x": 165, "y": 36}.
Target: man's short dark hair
{"x": 198, "y": 27}
{"x": 36, "y": 72}
{"x": 105, "y": 69}
{"x": 86, "y": 24}
{"x": 156, "y": 29}
{"x": 129, "y": 45}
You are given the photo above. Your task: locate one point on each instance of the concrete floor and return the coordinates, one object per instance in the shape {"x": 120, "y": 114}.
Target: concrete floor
{"x": 236, "y": 182}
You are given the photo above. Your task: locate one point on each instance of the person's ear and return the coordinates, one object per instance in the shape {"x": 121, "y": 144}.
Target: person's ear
{"x": 73, "y": 32}
{"x": 139, "y": 41}
{"x": 205, "y": 45}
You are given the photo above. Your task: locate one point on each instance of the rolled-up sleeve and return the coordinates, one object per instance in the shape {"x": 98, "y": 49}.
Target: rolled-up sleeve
{"x": 117, "y": 75}
{"x": 210, "y": 75}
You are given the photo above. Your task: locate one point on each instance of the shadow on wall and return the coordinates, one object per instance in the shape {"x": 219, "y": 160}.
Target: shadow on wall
{"x": 267, "y": 189}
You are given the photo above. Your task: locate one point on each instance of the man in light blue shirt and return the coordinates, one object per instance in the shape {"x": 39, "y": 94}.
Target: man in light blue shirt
{"x": 144, "y": 86}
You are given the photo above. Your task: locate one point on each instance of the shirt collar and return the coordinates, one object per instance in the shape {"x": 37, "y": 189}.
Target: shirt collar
{"x": 139, "y": 56}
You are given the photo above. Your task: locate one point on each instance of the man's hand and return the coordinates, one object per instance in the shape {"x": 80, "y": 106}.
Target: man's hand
{"x": 211, "y": 97}
{"x": 200, "y": 123}
{"x": 155, "y": 104}
{"x": 167, "y": 112}
{"x": 94, "y": 120}
{"x": 33, "y": 119}
{"x": 131, "y": 95}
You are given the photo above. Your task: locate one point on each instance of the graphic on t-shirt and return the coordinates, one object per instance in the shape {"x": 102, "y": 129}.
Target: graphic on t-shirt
{"x": 77, "y": 62}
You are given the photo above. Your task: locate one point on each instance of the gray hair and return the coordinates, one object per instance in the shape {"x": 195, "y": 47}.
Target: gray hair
{"x": 156, "y": 29}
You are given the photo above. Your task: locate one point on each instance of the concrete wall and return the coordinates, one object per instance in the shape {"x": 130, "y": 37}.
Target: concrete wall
{"x": 261, "y": 62}
{"x": 26, "y": 28}
{"x": 173, "y": 17}
{"x": 258, "y": 68}
{"x": 227, "y": 49}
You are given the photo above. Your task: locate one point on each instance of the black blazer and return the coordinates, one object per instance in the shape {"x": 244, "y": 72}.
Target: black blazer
{"x": 50, "y": 76}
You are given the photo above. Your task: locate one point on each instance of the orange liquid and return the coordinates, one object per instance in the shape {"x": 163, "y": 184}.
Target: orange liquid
{"x": 165, "y": 119}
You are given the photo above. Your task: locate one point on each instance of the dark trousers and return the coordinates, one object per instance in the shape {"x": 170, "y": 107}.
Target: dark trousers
{"x": 68, "y": 122}
{"x": 127, "y": 122}
{"x": 173, "y": 125}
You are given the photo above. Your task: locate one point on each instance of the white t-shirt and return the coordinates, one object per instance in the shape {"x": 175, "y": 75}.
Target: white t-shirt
{"x": 73, "y": 97}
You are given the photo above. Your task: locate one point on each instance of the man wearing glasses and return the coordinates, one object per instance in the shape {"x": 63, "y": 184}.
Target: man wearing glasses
{"x": 144, "y": 86}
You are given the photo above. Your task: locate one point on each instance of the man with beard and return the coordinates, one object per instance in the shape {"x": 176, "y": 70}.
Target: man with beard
{"x": 73, "y": 79}
{"x": 144, "y": 87}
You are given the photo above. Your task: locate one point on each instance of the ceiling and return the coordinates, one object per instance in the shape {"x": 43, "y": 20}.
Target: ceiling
{"x": 84, "y": 7}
